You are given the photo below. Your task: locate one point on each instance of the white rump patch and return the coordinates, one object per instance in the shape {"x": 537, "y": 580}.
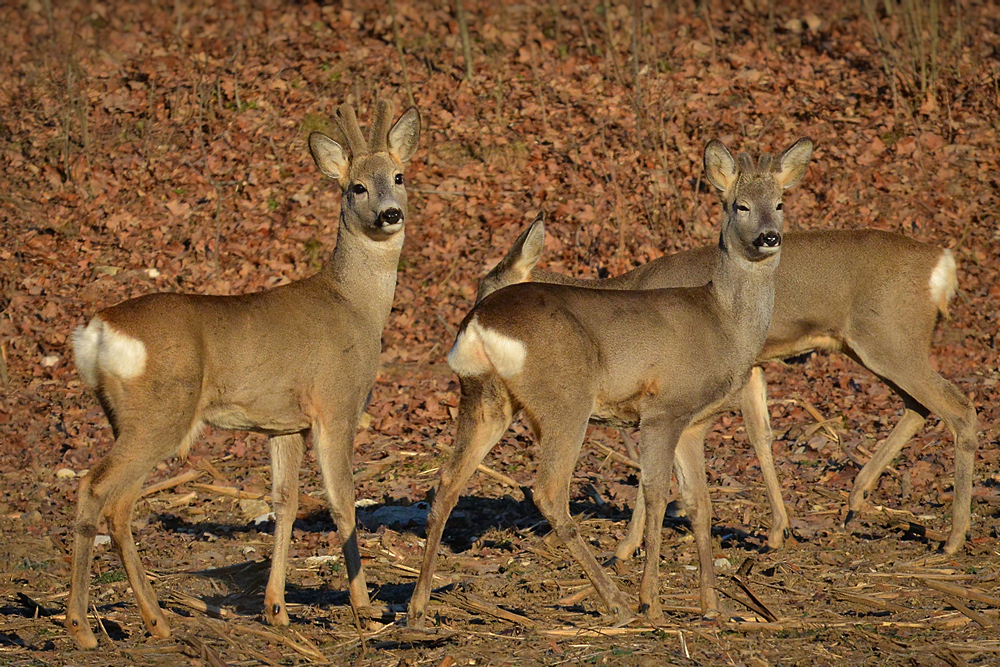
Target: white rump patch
{"x": 478, "y": 350}
{"x": 944, "y": 282}
{"x": 86, "y": 341}
{"x": 99, "y": 347}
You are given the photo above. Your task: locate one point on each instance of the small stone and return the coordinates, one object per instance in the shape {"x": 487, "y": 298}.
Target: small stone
{"x": 101, "y": 540}
{"x": 320, "y": 560}
{"x": 794, "y": 25}
{"x": 65, "y": 473}
{"x": 722, "y": 563}
{"x": 50, "y": 360}
{"x": 32, "y": 517}
{"x": 263, "y": 518}
{"x": 254, "y": 508}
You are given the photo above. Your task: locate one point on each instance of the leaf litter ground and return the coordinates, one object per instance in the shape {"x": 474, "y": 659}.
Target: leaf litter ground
{"x": 161, "y": 147}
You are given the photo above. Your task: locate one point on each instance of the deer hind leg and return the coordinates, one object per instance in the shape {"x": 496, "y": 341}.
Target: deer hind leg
{"x": 689, "y": 464}
{"x": 659, "y": 441}
{"x": 111, "y": 488}
{"x": 911, "y": 422}
{"x": 560, "y": 441}
{"x": 484, "y": 414}
{"x": 88, "y": 513}
{"x": 334, "y": 442}
{"x": 929, "y": 392}
{"x": 753, "y": 405}
{"x": 633, "y": 534}
{"x": 119, "y": 515}
{"x": 286, "y": 460}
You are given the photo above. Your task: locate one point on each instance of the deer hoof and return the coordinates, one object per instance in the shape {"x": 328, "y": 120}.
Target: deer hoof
{"x": 277, "y": 614}
{"x": 82, "y": 636}
{"x": 157, "y": 627}
{"x": 415, "y": 619}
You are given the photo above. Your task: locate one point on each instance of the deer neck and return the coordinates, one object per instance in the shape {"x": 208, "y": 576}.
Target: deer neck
{"x": 744, "y": 292}
{"x": 362, "y": 271}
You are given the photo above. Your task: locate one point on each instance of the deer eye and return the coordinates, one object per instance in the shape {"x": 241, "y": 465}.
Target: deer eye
{"x": 779, "y": 207}
{"x": 358, "y": 189}
{"x": 742, "y": 207}
{"x": 399, "y": 179}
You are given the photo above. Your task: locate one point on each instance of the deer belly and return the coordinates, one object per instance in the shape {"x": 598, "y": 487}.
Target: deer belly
{"x": 622, "y": 413}
{"x": 271, "y": 418}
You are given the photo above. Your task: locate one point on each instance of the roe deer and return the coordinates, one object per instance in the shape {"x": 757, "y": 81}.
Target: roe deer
{"x": 284, "y": 362}
{"x": 874, "y": 295}
{"x": 661, "y": 358}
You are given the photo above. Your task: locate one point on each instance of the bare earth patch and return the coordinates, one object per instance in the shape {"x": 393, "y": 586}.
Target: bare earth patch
{"x": 162, "y": 147}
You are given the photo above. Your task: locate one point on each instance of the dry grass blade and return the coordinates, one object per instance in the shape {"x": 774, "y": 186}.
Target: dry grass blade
{"x": 920, "y": 530}
{"x": 821, "y": 422}
{"x": 577, "y": 597}
{"x": 463, "y": 29}
{"x": 210, "y": 468}
{"x": 959, "y": 591}
{"x": 183, "y": 478}
{"x": 986, "y": 646}
{"x": 4, "y": 376}
{"x": 916, "y": 49}
{"x": 968, "y": 613}
{"x": 604, "y": 632}
{"x": 615, "y": 456}
{"x": 307, "y": 651}
{"x": 753, "y": 604}
{"x": 950, "y": 657}
{"x": 476, "y": 605}
{"x": 35, "y": 608}
{"x": 199, "y": 605}
{"x": 758, "y": 606}
{"x": 205, "y": 652}
{"x": 408, "y": 571}
{"x": 232, "y": 492}
{"x": 874, "y": 603}
{"x": 500, "y": 477}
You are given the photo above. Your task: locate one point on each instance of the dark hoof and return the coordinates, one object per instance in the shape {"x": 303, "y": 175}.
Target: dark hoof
{"x": 849, "y": 518}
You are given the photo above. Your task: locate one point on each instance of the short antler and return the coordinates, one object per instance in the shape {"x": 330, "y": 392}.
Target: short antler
{"x": 766, "y": 164}
{"x": 348, "y": 123}
{"x": 379, "y": 132}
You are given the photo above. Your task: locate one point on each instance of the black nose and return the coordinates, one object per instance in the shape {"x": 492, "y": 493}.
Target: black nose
{"x": 767, "y": 240}
{"x": 389, "y": 217}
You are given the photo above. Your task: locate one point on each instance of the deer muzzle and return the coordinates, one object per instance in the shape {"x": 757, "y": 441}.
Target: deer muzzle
{"x": 389, "y": 217}
{"x": 771, "y": 239}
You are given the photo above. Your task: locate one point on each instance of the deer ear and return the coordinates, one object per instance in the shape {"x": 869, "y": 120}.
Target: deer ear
{"x": 791, "y": 166}
{"x": 404, "y": 135}
{"x": 529, "y": 246}
{"x": 329, "y": 156}
{"x": 720, "y": 167}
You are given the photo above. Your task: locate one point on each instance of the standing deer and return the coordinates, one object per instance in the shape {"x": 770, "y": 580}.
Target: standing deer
{"x": 664, "y": 359}
{"x": 296, "y": 359}
{"x": 874, "y": 295}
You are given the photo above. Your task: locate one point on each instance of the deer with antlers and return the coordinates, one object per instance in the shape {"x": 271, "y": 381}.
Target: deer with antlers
{"x": 294, "y": 360}
{"x": 664, "y": 359}
{"x": 874, "y": 295}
